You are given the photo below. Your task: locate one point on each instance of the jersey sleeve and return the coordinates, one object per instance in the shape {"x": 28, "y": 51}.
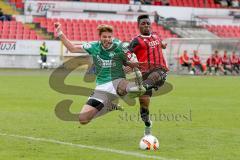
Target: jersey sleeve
{"x": 124, "y": 48}
{"x": 133, "y": 46}
{"x": 128, "y": 56}
{"x": 88, "y": 47}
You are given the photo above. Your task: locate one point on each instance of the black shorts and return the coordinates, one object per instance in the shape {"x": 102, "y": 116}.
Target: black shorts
{"x": 163, "y": 75}
{"x": 186, "y": 64}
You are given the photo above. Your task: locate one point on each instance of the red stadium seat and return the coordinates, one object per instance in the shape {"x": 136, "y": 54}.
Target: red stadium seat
{"x": 26, "y": 36}
{"x": 12, "y": 36}
{"x": 195, "y": 3}
{"x": 19, "y": 36}
{"x": 4, "y": 36}
{"x": 223, "y": 30}
{"x": 14, "y": 30}
{"x": 33, "y": 36}
{"x": 108, "y": 1}
{"x": 86, "y": 29}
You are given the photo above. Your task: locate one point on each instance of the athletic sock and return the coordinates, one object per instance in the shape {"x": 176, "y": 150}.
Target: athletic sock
{"x": 145, "y": 116}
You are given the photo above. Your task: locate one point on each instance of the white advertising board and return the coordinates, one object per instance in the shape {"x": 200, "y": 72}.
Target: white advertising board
{"x": 28, "y": 47}
{"x": 40, "y": 8}
{"x": 26, "y": 53}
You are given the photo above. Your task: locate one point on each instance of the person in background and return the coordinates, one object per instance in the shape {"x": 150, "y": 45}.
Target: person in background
{"x": 2, "y": 16}
{"x": 218, "y": 63}
{"x": 165, "y": 2}
{"x": 223, "y": 3}
{"x": 235, "y": 62}
{"x": 196, "y": 63}
{"x": 185, "y": 61}
{"x": 226, "y": 62}
{"x": 210, "y": 64}
{"x": 146, "y": 2}
{"x": 43, "y": 54}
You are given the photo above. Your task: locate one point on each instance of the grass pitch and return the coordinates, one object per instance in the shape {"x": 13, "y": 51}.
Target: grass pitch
{"x": 197, "y": 120}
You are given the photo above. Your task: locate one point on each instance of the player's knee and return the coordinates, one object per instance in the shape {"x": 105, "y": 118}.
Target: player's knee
{"x": 154, "y": 77}
{"x": 121, "y": 89}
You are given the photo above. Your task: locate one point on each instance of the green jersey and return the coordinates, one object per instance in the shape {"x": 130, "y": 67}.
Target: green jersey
{"x": 108, "y": 62}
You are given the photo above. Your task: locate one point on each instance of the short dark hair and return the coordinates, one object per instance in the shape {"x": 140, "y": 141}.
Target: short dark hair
{"x": 143, "y": 16}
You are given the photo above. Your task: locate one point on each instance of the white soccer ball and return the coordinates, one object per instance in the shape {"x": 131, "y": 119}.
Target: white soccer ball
{"x": 191, "y": 73}
{"x": 149, "y": 142}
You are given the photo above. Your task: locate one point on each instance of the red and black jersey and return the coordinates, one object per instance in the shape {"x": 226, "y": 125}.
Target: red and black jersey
{"x": 210, "y": 61}
{"x": 196, "y": 60}
{"x": 234, "y": 59}
{"x": 184, "y": 58}
{"x": 217, "y": 60}
{"x": 225, "y": 60}
{"x": 148, "y": 50}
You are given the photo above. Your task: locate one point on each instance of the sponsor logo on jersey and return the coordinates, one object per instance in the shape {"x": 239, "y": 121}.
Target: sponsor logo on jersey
{"x": 111, "y": 54}
{"x": 153, "y": 43}
{"x": 87, "y": 45}
{"x": 105, "y": 63}
{"x": 125, "y": 46}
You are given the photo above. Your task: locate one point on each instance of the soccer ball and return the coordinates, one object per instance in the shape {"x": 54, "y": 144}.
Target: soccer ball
{"x": 149, "y": 142}
{"x": 191, "y": 73}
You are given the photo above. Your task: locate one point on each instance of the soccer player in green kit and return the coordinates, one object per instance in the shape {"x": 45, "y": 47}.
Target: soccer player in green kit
{"x": 109, "y": 57}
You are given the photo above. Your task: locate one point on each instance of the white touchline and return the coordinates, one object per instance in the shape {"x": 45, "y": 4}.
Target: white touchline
{"x": 135, "y": 154}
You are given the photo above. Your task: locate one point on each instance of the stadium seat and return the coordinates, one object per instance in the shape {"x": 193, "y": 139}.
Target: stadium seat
{"x": 19, "y": 4}
{"x": 12, "y": 36}
{"x": 107, "y": 1}
{"x": 224, "y": 31}
{"x": 195, "y": 3}
{"x": 19, "y": 36}
{"x": 15, "y": 30}
{"x": 4, "y": 36}
{"x": 78, "y": 30}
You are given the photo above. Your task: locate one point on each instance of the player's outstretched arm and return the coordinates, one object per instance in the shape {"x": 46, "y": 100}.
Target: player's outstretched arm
{"x": 71, "y": 47}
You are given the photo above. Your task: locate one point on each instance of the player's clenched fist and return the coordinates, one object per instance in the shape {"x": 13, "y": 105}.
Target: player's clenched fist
{"x": 164, "y": 45}
{"x": 58, "y": 29}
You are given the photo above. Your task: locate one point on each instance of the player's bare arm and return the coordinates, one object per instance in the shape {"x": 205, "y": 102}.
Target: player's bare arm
{"x": 67, "y": 43}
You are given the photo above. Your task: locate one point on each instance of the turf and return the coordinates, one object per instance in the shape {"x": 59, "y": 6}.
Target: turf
{"x": 198, "y": 119}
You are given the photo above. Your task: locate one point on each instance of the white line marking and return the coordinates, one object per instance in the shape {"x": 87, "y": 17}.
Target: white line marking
{"x": 122, "y": 152}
